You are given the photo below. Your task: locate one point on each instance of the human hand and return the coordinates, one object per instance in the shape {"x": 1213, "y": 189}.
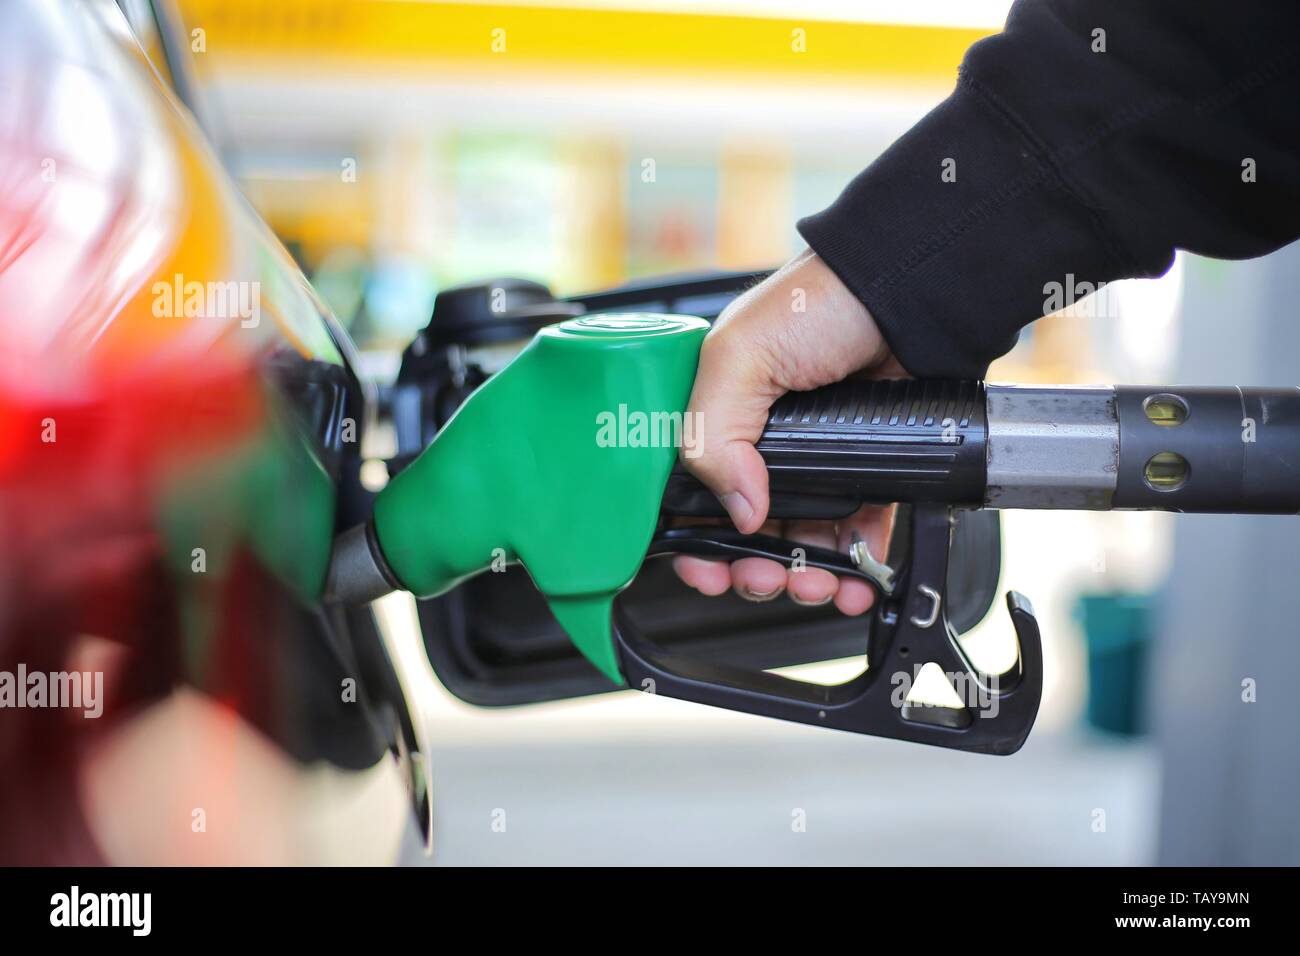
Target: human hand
{"x": 799, "y": 329}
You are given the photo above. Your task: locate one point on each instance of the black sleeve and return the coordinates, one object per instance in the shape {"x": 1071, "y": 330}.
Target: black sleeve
{"x": 1073, "y": 152}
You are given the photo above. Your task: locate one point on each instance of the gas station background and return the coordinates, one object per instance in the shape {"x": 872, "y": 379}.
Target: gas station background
{"x": 399, "y": 148}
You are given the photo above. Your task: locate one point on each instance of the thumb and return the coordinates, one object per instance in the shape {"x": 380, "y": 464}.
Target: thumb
{"x": 730, "y": 403}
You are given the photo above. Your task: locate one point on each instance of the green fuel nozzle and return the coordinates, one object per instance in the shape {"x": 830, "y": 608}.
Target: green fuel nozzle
{"x": 559, "y": 461}
{"x": 565, "y": 461}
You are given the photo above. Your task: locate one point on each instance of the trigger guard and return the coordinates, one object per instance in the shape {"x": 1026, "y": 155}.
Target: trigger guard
{"x": 910, "y": 629}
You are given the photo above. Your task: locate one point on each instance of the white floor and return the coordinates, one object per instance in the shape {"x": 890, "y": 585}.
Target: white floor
{"x": 632, "y": 778}
{"x": 736, "y": 798}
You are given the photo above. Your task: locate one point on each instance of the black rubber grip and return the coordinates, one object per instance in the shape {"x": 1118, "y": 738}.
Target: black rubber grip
{"x": 832, "y": 450}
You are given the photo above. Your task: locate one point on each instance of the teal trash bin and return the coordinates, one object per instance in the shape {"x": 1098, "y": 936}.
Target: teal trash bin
{"x": 1117, "y": 629}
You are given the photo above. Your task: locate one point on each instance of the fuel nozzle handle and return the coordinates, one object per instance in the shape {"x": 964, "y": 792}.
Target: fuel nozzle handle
{"x": 831, "y": 450}
{"x": 558, "y": 461}
{"x": 966, "y": 444}
{"x": 567, "y": 459}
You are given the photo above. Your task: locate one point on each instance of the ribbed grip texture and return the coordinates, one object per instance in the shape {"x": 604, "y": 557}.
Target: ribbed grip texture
{"x": 879, "y": 407}
{"x": 831, "y": 450}
{"x": 911, "y": 440}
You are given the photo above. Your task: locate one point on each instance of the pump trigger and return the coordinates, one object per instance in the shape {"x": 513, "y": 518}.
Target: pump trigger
{"x": 715, "y": 541}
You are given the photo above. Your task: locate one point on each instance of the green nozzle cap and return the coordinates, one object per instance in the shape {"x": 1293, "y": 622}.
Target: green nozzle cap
{"x": 559, "y": 461}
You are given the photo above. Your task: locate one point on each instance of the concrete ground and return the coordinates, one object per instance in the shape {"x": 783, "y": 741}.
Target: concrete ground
{"x": 740, "y": 799}
{"x": 631, "y": 778}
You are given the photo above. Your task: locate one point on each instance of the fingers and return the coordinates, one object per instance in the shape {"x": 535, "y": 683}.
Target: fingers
{"x": 854, "y": 597}
{"x": 758, "y": 579}
{"x": 734, "y": 388}
{"x": 811, "y": 585}
{"x": 731, "y": 418}
{"x": 755, "y": 579}
{"x": 710, "y": 578}
{"x": 735, "y": 472}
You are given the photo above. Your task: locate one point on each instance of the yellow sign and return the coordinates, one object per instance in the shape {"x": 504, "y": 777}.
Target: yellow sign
{"x": 503, "y": 37}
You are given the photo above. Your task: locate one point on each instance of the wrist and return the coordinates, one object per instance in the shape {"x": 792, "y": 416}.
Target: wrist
{"x": 864, "y": 345}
